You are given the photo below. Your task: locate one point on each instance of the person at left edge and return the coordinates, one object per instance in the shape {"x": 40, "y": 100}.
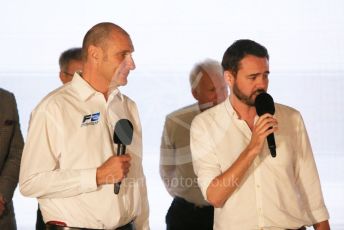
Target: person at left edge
{"x": 69, "y": 161}
{"x": 11, "y": 147}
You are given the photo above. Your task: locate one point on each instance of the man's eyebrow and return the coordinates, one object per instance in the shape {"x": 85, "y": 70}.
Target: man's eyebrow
{"x": 257, "y": 74}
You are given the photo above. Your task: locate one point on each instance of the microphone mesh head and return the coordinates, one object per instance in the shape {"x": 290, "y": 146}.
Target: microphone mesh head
{"x": 123, "y": 133}
{"x": 264, "y": 104}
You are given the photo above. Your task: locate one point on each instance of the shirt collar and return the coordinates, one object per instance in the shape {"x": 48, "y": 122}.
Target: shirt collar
{"x": 86, "y": 91}
{"x": 233, "y": 113}
{"x": 82, "y": 87}
{"x": 115, "y": 93}
{"x": 230, "y": 109}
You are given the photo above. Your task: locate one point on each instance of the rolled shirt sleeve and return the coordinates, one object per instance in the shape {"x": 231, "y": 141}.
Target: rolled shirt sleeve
{"x": 205, "y": 162}
{"x": 308, "y": 180}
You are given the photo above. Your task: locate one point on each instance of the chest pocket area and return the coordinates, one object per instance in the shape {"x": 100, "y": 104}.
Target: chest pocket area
{"x": 285, "y": 152}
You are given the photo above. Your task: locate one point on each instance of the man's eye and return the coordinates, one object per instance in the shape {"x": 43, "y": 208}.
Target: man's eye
{"x": 122, "y": 55}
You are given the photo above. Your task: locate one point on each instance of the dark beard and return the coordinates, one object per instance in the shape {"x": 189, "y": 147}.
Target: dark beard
{"x": 248, "y": 100}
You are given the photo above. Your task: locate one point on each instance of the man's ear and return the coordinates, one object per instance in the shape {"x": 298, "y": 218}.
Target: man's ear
{"x": 229, "y": 77}
{"x": 94, "y": 53}
{"x": 195, "y": 93}
{"x": 62, "y": 77}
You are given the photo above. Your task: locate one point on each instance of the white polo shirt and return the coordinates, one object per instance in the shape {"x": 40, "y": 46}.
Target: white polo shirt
{"x": 70, "y": 135}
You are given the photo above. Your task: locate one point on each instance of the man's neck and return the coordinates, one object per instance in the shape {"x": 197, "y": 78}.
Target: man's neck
{"x": 244, "y": 111}
{"x": 204, "y": 107}
{"x": 97, "y": 83}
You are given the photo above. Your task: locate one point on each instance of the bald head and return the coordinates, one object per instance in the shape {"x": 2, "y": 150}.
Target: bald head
{"x": 98, "y": 36}
{"x": 107, "y": 57}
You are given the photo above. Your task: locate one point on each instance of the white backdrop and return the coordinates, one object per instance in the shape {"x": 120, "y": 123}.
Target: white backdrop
{"x": 304, "y": 38}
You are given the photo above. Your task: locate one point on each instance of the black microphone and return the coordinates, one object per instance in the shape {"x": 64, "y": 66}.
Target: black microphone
{"x": 265, "y": 104}
{"x": 122, "y": 136}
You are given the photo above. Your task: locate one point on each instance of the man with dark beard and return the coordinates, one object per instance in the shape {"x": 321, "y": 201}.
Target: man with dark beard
{"x": 248, "y": 188}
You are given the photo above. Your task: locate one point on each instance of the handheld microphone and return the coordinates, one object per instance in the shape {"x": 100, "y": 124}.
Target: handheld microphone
{"x": 122, "y": 136}
{"x": 264, "y": 103}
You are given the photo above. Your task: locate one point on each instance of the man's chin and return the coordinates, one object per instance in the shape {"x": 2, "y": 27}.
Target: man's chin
{"x": 124, "y": 82}
{"x": 121, "y": 82}
{"x": 124, "y": 79}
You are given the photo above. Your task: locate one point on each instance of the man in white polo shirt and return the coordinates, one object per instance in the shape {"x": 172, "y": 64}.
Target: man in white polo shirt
{"x": 69, "y": 160}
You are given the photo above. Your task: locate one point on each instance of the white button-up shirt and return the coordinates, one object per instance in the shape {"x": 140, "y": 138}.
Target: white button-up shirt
{"x": 276, "y": 193}
{"x": 70, "y": 135}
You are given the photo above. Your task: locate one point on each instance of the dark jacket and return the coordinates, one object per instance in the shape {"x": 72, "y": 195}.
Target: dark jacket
{"x": 11, "y": 147}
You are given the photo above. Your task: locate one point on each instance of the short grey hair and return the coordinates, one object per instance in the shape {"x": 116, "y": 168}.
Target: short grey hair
{"x": 210, "y": 66}
{"x": 73, "y": 54}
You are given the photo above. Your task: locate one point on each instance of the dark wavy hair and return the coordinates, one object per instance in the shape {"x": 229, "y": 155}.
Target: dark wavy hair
{"x": 238, "y": 50}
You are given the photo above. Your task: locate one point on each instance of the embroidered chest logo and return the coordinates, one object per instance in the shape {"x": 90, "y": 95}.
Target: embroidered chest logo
{"x": 91, "y": 119}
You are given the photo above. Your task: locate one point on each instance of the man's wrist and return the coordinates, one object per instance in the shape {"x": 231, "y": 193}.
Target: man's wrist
{"x": 99, "y": 177}
{"x": 324, "y": 225}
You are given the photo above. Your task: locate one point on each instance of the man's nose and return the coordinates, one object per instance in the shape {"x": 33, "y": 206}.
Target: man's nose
{"x": 262, "y": 82}
{"x": 130, "y": 62}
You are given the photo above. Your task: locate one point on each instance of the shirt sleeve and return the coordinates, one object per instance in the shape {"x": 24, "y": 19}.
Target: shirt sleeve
{"x": 40, "y": 173}
{"x": 142, "y": 220}
{"x": 167, "y": 157}
{"x": 308, "y": 179}
{"x": 204, "y": 159}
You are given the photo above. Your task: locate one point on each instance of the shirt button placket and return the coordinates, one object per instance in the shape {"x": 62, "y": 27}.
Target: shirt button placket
{"x": 257, "y": 181}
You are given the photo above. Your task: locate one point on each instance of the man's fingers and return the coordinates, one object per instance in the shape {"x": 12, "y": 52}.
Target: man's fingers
{"x": 265, "y": 123}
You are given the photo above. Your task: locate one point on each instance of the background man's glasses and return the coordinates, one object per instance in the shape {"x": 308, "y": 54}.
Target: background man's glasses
{"x": 68, "y": 74}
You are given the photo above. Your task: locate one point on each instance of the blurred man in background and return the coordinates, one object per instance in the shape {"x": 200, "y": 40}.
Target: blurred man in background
{"x": 189, "y": 210}
{"x": 70, "y": 61}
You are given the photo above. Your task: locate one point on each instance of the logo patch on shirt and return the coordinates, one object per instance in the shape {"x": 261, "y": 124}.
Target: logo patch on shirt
{"x": 91, "y": 119}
